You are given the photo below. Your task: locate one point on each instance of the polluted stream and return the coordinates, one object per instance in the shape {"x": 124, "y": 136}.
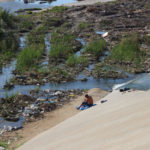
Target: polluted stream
{"x": 140, "y": 82}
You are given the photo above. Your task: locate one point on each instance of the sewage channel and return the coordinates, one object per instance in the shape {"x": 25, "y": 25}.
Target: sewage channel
{"x": 141, "y": 81}
{"x": 14, "y": 5}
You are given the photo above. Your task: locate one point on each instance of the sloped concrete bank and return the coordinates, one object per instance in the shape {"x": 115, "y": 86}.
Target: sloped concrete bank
{"x": 120, "y": 123}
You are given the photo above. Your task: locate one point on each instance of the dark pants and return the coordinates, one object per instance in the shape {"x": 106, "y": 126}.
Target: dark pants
{"x": 86, "y": 104}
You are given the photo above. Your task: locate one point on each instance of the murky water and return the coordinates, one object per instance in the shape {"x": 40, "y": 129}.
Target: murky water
{"x": 14, "y": 5}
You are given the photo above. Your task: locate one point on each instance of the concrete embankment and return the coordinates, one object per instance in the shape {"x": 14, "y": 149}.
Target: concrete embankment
{"x": 121, "y": 123}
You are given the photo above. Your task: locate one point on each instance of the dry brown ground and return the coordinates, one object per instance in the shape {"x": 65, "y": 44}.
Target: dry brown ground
{"x": 51, "y": 119}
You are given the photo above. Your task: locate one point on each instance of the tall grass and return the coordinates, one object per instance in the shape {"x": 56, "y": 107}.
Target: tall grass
{"x": 62, "y": 45}
{"x": 6, "y": 19}
{"x": 29, "y": 57}
{"x": 128, "y": 50}
{"x": 74, "y": 60}
{"x": 96, "y": 47}
{"x": 36, "y": 37}
{"x": 25, "y": 22}
{"x": 58, "y": 9}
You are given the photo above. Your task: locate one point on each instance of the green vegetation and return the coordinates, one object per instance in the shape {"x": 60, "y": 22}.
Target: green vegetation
{"x": 128, "y": 50}
{"x": 25, "y": 22}
{"x": 8, "y": 39}
{"x": 54, "y": 21}
{"x": 29, "y": 57}
{"x": 74, "y": 60}
{"x": 113, "y": 2}
{"x": 104, "y": 23}
{"x": 146, "y": 39}
{"x": 96, "y": 47}
{"x": 4, "y": 144}
{"x": 6, "y": 19}
{"x": 36, "y": 37}
{"x": 83, "y": 25}
{"x": 62, "y": 45}
{"x": 60, "y": 74}
{"x": 147, "y": 6}
{"x": 58, "y": 9}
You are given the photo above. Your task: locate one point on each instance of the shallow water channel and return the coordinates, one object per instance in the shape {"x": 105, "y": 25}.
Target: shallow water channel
{"x": 141, "y": 81}
{"x": 14, "y": 5}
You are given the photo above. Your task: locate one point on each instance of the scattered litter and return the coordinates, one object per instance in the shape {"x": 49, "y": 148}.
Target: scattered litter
{"x": 105, "y": 34}
{"x": 103, "y": 101}
{"x": 124, "y": 89}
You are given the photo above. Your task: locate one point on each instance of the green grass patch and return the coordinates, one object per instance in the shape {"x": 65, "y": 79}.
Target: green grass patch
{"x": 58, "y": 9}
{"x": 54, "y": 21}
{"x": 83, "y": 25}
{"x": 29, "y": 57}
{"x": 36, "y": 36}
{"x": 128, "y": 50}
{"x": 74, "y": 60}
{"x": 62, "y": 45}
{"x": 96, "y": 47}
{"x": 25, "y": 22}
{"x": 4, "y": 144}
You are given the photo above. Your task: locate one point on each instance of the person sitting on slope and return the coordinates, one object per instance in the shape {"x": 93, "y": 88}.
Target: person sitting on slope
{"x": 88, "y": 101}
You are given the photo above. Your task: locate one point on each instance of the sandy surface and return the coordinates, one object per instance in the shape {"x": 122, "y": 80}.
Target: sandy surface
{"x": 122, "y": 123}
{"x": 51, "y": 119}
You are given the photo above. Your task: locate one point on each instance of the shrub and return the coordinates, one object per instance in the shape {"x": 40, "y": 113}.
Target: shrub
{"x": 96, "y": 47}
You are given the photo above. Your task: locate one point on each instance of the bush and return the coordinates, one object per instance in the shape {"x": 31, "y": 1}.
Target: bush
{"x": 128, "y": 50}
{"x": 96, "y": 47}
